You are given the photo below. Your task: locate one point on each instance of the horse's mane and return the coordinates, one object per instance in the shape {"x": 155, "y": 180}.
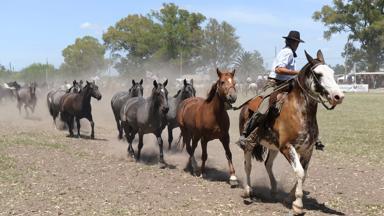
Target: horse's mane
{"x": 211, "y": 93}
{"x": 177, "y": 94}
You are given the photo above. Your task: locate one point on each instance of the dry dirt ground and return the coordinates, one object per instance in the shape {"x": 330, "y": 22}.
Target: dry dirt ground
{"x": 42, "y": 172}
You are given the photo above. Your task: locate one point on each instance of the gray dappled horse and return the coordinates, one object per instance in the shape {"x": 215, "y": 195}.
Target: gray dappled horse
{"x": 185, "y": 92}
{"x": 54, "y": 97}
{"x": 78, "y": 105}
{"x": 27, "y": 96}
{"x": 120, "y": 98}
{"x": 146, "y": 115}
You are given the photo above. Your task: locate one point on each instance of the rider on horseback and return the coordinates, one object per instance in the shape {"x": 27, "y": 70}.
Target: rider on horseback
{"x": 284, "y": 68}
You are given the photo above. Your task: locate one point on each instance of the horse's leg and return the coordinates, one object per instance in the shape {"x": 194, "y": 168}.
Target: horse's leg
{"x": 204, "y": 155}
{"x": 90, "y": 119}
{"x": 140, "y": 146}
{"x": 78, "y": 126}
{"x": 268, "y": 165}
{"x": 129, "y": 137}
{"x": 248, "y": 169}
{"x": 119, "y": 127}
{"x": 293, "y": 158}
{"x": 70, "y": 125}
{"x": 19, "y": 107}
{"x": 26, "y": 110}
{"x": 170, "y": 136}
{"x": 233, "y": 179}
{"x": 195, "y": 140}
{"x": 160, "y": 142}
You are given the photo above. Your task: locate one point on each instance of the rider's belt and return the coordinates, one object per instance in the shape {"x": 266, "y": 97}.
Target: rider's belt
{"x": 270, "y": 79}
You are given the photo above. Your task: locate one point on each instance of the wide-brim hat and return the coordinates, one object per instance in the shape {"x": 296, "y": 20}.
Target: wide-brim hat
{"x": 294, "y": 35}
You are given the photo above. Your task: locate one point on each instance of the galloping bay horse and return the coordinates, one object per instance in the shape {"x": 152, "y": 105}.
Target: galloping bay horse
{"x": 146, "y": 115}
{"x": 207, "y": 119}
{"x": 185, "y": 92}
{"x": 54, "y": 98}
{"x": 78, "y": 105}
{"x": 120, "y": 98}
{"x": 294, "y": 131}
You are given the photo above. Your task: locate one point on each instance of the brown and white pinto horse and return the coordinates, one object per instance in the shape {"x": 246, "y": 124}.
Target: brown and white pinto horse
{"x": 207, "y": 119}
{"x": 295, "y": 131}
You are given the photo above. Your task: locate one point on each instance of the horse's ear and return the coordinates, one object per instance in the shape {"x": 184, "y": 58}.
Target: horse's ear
{"x": 74, "y": 82}
{"x": 191, "y": 81}
{"x": 133, "y": 82}
{"x": 165, "y": 83}
{"x": 87, "y": 82}
{"x": 320, "y": 56}
{"x": 218, "y": 72}
{"x": 81, "y": 82}
{"x": 185, "y": 82}
{"x": 233, "y": 72}
{"x": 141, "y": 82}
{"x": 309, "y": 58}
{"x": 155, "y": 83}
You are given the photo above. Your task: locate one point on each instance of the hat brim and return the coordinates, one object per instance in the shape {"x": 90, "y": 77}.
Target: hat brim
{"x": 295, "y": 39}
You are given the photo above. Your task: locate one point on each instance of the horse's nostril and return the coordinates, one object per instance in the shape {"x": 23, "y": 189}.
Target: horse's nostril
{"x": 337, "y": 97}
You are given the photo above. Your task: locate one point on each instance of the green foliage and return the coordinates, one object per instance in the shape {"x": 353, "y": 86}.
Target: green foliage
{"x": 221, "y": 45}
{"x": 339, "y": 69}
{"x": 249, "y": 64}
{"x": 36, "y": 72}
{"x": 364, "y": 21}
{"x": 171, "y": 35}
{"x": 5, "y": 74}
{"x": 180, "y": 31}
{"x": 85, "y": 56}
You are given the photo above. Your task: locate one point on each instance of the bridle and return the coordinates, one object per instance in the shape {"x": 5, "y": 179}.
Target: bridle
{"x": 314, "y": 96}
{"x": 227, "y": 105}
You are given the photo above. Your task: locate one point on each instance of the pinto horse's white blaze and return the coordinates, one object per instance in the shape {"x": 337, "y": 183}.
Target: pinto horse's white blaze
{"x": 327, "y": 80}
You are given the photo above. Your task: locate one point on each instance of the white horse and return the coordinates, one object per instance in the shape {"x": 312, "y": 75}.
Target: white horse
{"x": 253, "y": 88}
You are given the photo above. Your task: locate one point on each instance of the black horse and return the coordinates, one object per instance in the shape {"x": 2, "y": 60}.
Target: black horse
{"x": 146, "y": 115}
{"x": 185, "y": 92}
{"x": 78, "y": 105}
{"x": 54, "y": 97}
{"x": 27, "y": 96}
{"x": 120, "y": 98}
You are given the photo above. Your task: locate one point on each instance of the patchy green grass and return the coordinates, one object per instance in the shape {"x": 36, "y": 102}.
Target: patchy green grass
{"x": 356, "y": 127}
{"x": 8, "y": 171}
{"x": 33, "y": 139}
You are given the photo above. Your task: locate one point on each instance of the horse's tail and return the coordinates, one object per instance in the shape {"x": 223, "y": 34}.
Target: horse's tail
{"x": 178, "y": 145}
{"x": 258, "y": 152}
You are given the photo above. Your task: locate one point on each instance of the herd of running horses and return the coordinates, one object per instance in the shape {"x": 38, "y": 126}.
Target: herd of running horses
{"x": 292, "y": 132}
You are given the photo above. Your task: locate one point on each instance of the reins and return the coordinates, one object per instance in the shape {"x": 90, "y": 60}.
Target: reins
{"x": 286, "y": 83}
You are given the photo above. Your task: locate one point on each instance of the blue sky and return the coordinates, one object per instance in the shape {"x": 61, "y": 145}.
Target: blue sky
{"x": 38, "y": 30}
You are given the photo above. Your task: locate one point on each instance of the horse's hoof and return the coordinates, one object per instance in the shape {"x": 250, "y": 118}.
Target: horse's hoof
{"x": 297, "y": 210}
{"x": 92, "y": 137}
{"x": 162, "y": 165}
{"x": 233, "y": 181}
{"x": 246, "y": 194}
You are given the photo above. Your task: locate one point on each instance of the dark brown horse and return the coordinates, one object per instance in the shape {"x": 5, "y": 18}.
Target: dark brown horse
{"x": 54, "y": 98}
{"x": 207, "y": 119}
{"x": 294, "y": 131}
{"x": 78, "y": 105}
